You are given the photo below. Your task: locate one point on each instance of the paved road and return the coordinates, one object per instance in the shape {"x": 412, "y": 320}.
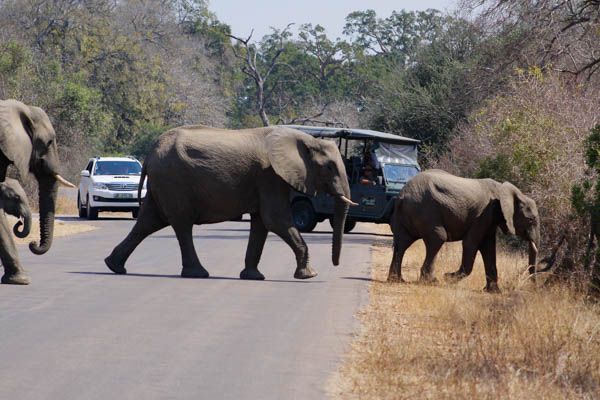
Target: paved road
{"x": 80, "y": 332}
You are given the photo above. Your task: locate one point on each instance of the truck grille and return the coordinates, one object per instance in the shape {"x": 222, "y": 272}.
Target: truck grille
{"x": 122, "y": 187}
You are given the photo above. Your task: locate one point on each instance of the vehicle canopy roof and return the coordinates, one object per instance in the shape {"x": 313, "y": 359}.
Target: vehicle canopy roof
{"x": 352, "y": 133}
{"x": 388, "y": 148}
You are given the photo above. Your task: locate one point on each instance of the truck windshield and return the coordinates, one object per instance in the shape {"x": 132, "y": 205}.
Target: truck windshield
{"x": 397, "y": 175}
{"x": 117, "y": 168}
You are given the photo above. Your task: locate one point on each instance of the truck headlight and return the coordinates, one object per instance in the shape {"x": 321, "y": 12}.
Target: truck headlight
{"x": 101, "y": 186}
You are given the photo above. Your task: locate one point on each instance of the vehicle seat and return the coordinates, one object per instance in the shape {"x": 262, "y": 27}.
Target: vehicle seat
{"x": 356, "y": 167}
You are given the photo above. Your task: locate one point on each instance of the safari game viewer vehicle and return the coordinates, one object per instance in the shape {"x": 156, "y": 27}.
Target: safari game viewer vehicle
{"x": 378, "y": 165}
{"x": 109, "y": 184}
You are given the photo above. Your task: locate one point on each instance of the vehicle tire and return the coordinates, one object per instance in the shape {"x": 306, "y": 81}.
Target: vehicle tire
{"x": 92, "y": 212}
{"x": 134, "y": 213}
{"x": 350, "y": 224}
{"x": 304, "y": 216}
{"x": 82, "y": 211}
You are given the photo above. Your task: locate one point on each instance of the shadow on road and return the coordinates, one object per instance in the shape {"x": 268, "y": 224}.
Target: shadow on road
{"x": 358, "y": 278}
{"x": 74, "y": 218}
{"x": 227, "y": 278}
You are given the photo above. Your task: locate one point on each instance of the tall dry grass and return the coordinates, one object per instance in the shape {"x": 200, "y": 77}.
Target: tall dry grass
{"x": 456, "y": 342}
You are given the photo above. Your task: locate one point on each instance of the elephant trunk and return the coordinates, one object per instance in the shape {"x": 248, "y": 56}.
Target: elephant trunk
{"x": 48, "y": 189}
{"x": 26, "y": 223}
{"x": 339, "y": 222}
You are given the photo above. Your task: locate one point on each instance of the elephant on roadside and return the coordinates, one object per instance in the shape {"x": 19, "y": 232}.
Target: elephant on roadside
{"x": 28, "y": 141}
{"x": 439, "y": 207}
{"x": 201, "y": 175}
{"x": 13, "y": 201}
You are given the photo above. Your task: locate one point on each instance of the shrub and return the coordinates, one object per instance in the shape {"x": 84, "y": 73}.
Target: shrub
{"x": 533, "y": 136}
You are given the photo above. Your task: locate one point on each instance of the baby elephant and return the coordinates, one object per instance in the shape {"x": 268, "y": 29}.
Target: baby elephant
{"x": 13, "y": 201}
{"x": 439, "y": 207}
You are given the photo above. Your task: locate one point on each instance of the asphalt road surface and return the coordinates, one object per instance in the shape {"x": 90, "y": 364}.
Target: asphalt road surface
{"x": 80, "y": 332}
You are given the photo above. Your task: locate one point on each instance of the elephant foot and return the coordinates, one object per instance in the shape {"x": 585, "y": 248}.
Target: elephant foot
{"x": 395, "y": 278}
{"x": 251, "y": 274}
{"x": 428, "y": 280}
{"x": 453, "y": 277}
{"x": 491, "y": 287}
{"x": 117, "y": 268}
{"x": 198, "y": 272}
{"x": 305, "y": 273}
{"x": 19, "y": 278}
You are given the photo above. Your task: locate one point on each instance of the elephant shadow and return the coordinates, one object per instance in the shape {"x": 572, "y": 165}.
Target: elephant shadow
{"x": 172, "y": 276}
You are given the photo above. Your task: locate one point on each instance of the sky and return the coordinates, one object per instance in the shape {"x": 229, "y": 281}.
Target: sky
{"x": 245, "y": 15}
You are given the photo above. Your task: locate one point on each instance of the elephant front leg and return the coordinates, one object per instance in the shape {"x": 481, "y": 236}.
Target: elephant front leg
{"x": 189, "y": 259}
{"x": 256, "y": 243}
{"x": 14, "y": 274}
{"x": 292, "y": 237}
{"x": 488, "y": 253}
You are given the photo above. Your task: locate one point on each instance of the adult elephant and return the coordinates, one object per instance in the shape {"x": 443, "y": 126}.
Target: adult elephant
{"x": 201, "y": 175}
{"x": 27, "y": 140}
{"x": 439, "y": 207}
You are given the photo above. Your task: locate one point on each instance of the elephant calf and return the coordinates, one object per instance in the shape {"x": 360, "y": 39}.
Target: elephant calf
{"x": 200, "y": 175}
{"x": 439, "y": 207}
{"x": 13, "y": 201}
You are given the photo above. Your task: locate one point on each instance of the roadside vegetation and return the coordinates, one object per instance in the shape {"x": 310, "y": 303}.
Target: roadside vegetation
{"x": 454, "y": 341}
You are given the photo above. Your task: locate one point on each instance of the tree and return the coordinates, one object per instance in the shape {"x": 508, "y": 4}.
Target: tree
{"x": 258, "y": 63}
{"x": 585, "y": 198}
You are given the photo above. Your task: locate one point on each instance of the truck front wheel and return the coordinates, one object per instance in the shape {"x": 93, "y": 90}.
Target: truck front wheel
{"x": 304, "y": 216}
{"x": 348, "y": 226}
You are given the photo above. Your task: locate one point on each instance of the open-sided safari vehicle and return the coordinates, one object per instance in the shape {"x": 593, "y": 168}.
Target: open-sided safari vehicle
{"x": 378, "y": 165}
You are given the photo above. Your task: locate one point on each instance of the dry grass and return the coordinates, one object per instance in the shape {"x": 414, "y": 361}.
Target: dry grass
{"x": 456, "y": 342}
{"x": 66, "y": 206}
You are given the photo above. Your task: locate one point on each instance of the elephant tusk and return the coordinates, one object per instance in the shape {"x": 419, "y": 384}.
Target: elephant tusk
{"x": 347, "y": 200}
{"x": 534, "y": 246}
{"x": 64, "y": 182}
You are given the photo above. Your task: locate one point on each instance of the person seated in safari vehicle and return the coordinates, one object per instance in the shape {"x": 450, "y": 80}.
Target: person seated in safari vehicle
{"x": 368, "y": 177}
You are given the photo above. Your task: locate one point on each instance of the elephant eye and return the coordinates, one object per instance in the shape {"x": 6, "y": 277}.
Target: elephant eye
{"x": 50, "y": 142}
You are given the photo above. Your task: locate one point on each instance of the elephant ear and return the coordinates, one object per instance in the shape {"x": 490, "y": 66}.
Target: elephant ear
{"x": 508, "y": 192}
{"x": 290, "y": 156}
{"x": 16, "y": 132}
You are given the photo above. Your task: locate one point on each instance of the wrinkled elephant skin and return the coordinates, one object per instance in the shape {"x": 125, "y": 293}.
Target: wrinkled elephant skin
{"x": 201, "y": 175}
{"x": 439, "y": 207}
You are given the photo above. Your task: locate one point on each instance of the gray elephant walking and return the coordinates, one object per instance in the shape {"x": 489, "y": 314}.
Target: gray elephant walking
{"x": 201, "y": 175}
{"x": 27, "y": 141}
{"x": 439, "y": 207}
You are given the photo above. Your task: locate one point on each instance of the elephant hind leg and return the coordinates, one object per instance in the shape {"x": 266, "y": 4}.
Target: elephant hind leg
{"x": 256, "y": 243}
{"x": 191, "y": 267}
{"x": 149, "y": 221}
{"x": 469, "y": 252}
{"x": 402, "y": 241}
{"x": 432, "y": 246}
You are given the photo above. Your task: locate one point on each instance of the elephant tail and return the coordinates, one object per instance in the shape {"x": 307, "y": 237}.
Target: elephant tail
{"x": 141, "y": 184}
